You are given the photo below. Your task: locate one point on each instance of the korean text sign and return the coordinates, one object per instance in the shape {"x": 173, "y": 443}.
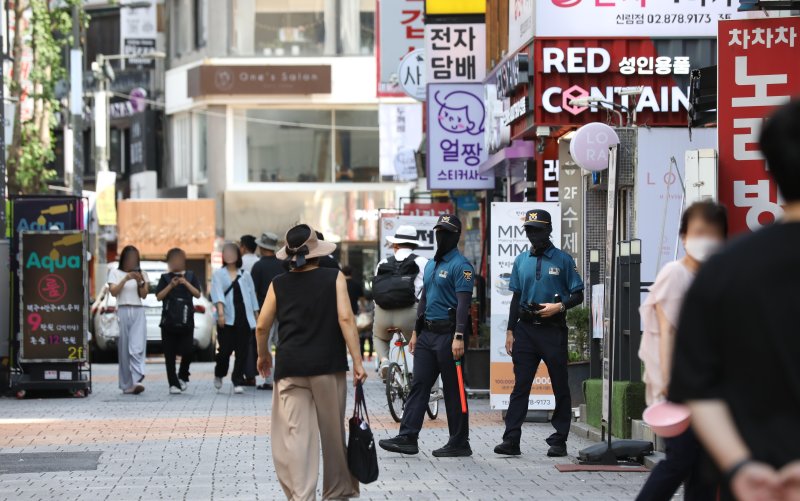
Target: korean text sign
{"x": 631, "y": 18}
{"x": 54, "y": 299}
{"x": 456, "y": 118}
{"x": 508, "y": 240}
{"x": 455, "y": 52}
{"x": 400, "y": 31}
{"x": 755, "y": 76}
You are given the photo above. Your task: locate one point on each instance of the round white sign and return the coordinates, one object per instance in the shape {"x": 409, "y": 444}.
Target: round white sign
{"x": 411, "y": 74}
{"x": 589, "y": 147}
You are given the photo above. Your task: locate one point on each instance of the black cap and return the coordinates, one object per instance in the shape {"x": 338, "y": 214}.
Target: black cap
{"x": 448, "y": 222}
{"x": 538, "y": 218}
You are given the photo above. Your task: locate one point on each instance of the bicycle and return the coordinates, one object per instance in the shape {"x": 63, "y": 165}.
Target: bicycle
{"x": 398, "y": 382}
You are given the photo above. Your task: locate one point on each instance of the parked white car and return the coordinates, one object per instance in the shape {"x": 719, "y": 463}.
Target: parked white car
{"x": 106, "y": 327}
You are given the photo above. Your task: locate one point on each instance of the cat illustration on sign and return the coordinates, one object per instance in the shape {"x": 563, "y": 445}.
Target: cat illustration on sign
{"x": 461, "y": 112}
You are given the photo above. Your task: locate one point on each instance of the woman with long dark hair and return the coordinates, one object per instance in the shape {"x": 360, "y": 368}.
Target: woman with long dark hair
{"x": 234, "y": 296}
{"x": 128, "y": 283}
{"x": 316, "y": 328}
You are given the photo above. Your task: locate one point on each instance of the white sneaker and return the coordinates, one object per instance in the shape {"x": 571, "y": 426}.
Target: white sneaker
{"x": 384, "y": 368}
{"x": 218, "y": 382}
{"x": 174, "y": 390}
{"x": 238, "y": 390}
{"x": 182, "y": 384}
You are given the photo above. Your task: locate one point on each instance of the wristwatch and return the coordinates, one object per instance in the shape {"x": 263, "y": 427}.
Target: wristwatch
{"x": 563, "y": 308}
{"x": 458, "y": 336}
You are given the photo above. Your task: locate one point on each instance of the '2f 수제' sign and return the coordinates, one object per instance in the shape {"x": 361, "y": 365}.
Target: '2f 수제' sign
{"x": 758, "y": 71}
{"x": 456, "y": 121}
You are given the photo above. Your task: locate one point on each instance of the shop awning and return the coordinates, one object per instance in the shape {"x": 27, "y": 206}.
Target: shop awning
{"x": 509, "y": 160}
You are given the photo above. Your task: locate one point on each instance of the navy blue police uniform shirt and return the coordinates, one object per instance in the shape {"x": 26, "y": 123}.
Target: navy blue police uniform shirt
{"x": 443, "y": 280}
{"x": 539, "y": 278}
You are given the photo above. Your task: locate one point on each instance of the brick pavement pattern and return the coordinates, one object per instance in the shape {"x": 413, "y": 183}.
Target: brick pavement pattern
{"x": 206, "y": 444}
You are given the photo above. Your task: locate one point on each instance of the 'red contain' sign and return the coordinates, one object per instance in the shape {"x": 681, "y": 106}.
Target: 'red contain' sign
{"x": 758, "y": 71}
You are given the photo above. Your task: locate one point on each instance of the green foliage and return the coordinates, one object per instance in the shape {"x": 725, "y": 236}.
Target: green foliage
{"x": 48, "y": 33}
{"x": 579, "y": 325}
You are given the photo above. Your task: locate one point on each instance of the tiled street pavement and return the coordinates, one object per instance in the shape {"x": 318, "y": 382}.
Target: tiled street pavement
{"x": 215, "y": 445}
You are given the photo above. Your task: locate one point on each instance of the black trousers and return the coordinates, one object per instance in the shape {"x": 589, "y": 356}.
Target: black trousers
{"x": 684, "y": 462}
{"x": 364, "y": 339}
{"x": 177, "y": 342}
{"x": 250, "y": 371}
{"x": 234, "y": 338}
{"x": 433, "y": 355}
{"x": 532, "y": 344}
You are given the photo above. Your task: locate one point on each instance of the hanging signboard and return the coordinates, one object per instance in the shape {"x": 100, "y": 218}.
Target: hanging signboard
{"x": 412, "y": 74}
{"x": 631, "y": 18}
{"x": 400, "y": 31}
{"x": 447, "y": 7}
{"x": 508, "y": 241}
{"x": 570, "y": 187}
{"x": 424, "y": 226}
{"x": 455, "y": 52}
{"x": 400, "y": 137}
{"x": 566, "y": 69}
{"x": 456, "y": 117}
{"x": 520, "y": 24}
{"x": 754, "y": 78}
{"x": 54, "y": 300}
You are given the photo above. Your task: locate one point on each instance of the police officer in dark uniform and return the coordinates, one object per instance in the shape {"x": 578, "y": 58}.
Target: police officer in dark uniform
{"x": 437, "y": 342}
{"x": 546, "y": 283}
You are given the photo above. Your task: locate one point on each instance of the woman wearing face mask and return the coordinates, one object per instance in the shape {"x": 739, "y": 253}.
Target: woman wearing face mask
{"x": 703, "y": 230}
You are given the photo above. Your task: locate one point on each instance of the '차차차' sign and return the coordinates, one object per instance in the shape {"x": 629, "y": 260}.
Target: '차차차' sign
{"x": 456, "y": 128}
{"x": 758, "y": 71}
{"x": 53, "y": 295}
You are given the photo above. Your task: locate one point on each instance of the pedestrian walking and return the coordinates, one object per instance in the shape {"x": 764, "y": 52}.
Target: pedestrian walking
{"x": 264, "y": 272}
{"x": 176, "y": 290}
{"x": 545, "y": 283}
{"x": 703, "y": 229}
{"x": 737, "y": 348}
{"x": 234, "y": 296}
{"x": 397, "y": 287}
{"x": 129, "y": 284}
{"x": 248, "y": 248}
{"x": 441, "y": 324}
{"x": 364, "y": 322}
{"x": 316, "y": 328}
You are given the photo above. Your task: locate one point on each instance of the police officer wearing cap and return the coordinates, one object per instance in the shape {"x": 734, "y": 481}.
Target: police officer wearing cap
{"x": 438, "y": 342}
{"x": 545, "y": 283}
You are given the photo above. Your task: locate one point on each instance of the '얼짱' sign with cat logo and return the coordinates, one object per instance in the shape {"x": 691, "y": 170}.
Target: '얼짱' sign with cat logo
{"x": 456, "y": 119}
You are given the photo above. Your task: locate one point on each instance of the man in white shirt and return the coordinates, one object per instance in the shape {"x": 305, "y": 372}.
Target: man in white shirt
{"x": 247, "y": 244}
{"x": 396, "y": 289}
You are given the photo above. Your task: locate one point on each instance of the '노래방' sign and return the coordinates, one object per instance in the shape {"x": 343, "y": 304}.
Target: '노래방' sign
{"x": 400, "y": 31}
{"x": 456, "y": 119}
{"x": 758, "y": 71}
{"x": 631, "y": 18}
{"x": 54, "y": 298}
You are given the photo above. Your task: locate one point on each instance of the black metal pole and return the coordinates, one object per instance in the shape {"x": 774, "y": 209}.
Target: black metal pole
{"x": 622, "y": 369}
{"x": 634, "y": 323}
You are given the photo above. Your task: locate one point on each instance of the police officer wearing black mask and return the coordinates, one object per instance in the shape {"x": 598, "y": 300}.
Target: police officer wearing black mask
{"x": 437, "y": 342}
{"x": 546, "y": 283}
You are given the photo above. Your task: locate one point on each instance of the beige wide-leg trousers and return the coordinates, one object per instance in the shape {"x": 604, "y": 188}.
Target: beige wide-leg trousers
{"x": 305, "y": 412}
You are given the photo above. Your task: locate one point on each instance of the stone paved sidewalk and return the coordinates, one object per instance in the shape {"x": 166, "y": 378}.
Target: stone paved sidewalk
{"x": 215, "y": 445}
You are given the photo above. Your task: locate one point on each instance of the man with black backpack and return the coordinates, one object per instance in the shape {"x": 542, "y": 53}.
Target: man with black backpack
{"x": 176, "y": 290}
{"x": 396, "y": 289}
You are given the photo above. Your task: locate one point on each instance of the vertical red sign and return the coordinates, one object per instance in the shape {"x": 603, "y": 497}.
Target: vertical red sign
{"x": 756, "y": 74}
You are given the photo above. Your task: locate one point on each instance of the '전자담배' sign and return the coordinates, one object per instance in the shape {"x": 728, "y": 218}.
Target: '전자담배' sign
{"x": 54, "y": 301}
{"x": 456, "y": 118}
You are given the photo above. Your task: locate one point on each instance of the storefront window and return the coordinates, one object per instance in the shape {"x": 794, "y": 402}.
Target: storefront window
{"x": 316, "y": 146}
{"x": 283, "y": 28}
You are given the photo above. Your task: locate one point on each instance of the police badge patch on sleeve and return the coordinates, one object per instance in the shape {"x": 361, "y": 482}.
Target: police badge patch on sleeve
{"x": 467, "y": 275}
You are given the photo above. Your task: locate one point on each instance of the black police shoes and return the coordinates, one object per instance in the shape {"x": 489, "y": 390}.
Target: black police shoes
{"x": 453, "y": 451}
{"x": 508, "y": 448}
{"x": 557, "y": 451}
{"x": 401, "y": 444}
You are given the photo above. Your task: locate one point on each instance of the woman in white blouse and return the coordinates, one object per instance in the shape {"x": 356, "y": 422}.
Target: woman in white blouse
{"x": 129, "y": 284}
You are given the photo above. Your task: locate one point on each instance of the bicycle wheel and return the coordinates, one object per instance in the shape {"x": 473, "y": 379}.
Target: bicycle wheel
{"x": 433, "y": 406}
{"x": 395, "y": 391}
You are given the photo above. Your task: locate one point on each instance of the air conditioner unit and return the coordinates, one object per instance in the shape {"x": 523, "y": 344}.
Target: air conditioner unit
{"x": 700, "y": 182}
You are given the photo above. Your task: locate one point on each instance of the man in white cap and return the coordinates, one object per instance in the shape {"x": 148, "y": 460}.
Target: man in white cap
{"x": 396, "y": 289}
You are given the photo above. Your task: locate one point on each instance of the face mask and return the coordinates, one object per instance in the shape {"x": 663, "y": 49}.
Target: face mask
{"x": 540, "y": 239}
{"x": 445, "y": 242}
{"x": 701, "y": 248}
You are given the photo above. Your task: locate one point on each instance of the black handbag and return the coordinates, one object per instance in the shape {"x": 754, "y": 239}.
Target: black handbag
{"x": 362, "y": 458}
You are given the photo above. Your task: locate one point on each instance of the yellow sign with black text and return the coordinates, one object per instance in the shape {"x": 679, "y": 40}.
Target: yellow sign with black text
{"x": 446, "y": 7}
